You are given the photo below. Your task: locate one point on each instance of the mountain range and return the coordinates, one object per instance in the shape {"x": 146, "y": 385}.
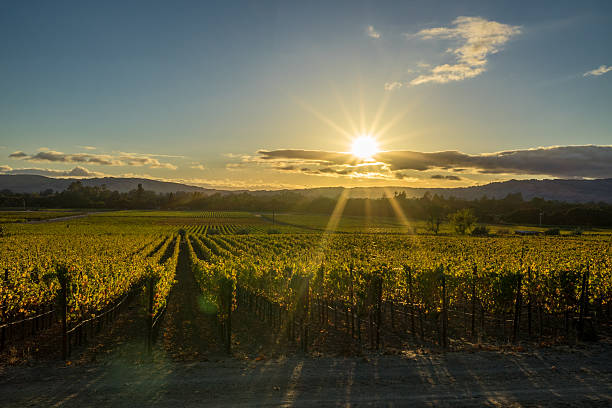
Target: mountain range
{"x": 598, "y": 190}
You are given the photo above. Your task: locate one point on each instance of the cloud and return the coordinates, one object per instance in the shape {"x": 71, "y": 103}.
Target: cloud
{"x": 391, "y": 86}
{"x": 18, "y": 155}
{"x": 88, "y": 147}
{"x": 4, "y": 168}
{"x": 125, "y": 159}
{"x": 478, "y": 38}
{"x": 442, "y": 177}
{"x": 132, "y": 159}
{"x": 307, "y": 156}
{"x": 78, "y": 171}
{"x": 197, "y": 166}
{"x": 589, "y": 161}
{"x": 372, "y": 33}
{"x": 598, "y": 71}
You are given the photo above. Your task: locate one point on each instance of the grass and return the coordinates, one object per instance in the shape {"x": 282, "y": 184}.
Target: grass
{"x": 137, "y": 221}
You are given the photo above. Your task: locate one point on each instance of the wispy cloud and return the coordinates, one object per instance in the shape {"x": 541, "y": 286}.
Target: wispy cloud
{"x": 123, "y": 159}
{"x": 87, "y": 147}
{"x": 197, "y": 166}
{"x": 477, "y": 39}
{"x": 598, "y": 71}
{"x": 372, "y": 33}
{"x": 392, "y": 86}
{"x": 443, "y": 177}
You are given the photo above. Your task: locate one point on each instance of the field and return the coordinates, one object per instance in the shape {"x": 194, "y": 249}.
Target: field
{"x": 29, "y": 216}
{"x": 203, "y": 285}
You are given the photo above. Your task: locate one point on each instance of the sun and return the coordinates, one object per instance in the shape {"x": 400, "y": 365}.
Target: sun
{"x": 364, "y": 147}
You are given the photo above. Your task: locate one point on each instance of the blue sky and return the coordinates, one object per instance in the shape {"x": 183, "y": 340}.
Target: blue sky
{"x": 194, "y": 91}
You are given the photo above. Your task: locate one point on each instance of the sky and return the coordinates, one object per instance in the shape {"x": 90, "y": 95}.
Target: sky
{"x": 270, "y": 95}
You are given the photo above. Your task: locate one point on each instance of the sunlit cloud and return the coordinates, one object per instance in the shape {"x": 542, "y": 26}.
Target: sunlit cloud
{"x": 478, "y": 38}
{"x": 372, "y": 33}
{"x": 598, "y": 71}
{"x": 78, "y": 172}
{"x": 124, "y": 159}
{"x": 18, "y": 155}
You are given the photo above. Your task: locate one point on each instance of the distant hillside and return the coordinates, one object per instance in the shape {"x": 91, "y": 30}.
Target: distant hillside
{"x": 561, "y": 190}
{"x": 34, "y": 184}
{"x": 576, "y": 191}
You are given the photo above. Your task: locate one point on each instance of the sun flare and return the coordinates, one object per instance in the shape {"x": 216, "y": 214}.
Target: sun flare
{"x": 365, "y": 147}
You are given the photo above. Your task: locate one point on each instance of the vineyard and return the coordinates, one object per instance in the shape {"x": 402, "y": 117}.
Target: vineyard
{"x": 372, "y": 291}
{"x": 437, "y": 289}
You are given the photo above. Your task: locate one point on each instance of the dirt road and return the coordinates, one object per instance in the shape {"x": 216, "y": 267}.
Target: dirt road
{"x": 68, "y": 218}
{"x": 544, "y": 378}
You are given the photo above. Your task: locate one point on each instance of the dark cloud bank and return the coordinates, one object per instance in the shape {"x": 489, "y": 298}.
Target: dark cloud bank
{"x": 588, "y": 161}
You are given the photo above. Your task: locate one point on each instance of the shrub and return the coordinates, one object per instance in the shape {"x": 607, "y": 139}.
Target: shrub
{"x": 552, "y": 231}
{"x": 480, "y": 231}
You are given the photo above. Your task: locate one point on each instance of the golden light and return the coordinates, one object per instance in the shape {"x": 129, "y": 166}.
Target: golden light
{"x": 365, "y": 147}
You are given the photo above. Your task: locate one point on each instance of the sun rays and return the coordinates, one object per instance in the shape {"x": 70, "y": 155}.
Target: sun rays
{"x": 364, "y": 142}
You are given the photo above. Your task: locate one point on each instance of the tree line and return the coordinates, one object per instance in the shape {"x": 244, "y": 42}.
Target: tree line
{"x": 434, "y": 209}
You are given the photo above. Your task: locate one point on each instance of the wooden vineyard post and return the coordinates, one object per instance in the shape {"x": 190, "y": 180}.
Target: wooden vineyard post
{"x": 378, "y": 310}
{"x": 228, "y": 326}
{"x": 410, "y": 300}
{"x": 584, "y": 303}
{"x": 474, "y": 276}
{"x": 306, "y": 315}
{"x": 3, "y": 329}
{"x": 62, "y": 274}
{"x": 444, "y": 341}
{"x": 150, "y": 288}
{"x": 517, "y": 309}
{"x": 529, "y": 298}
{"x": 352, "y": 305}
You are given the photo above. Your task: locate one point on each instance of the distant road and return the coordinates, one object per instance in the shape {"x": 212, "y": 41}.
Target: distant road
{"x": 70, "y": 217}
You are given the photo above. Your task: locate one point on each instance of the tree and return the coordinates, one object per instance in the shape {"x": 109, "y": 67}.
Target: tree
{"x": 435, "y": 214}
{"x": 463, "y": 220}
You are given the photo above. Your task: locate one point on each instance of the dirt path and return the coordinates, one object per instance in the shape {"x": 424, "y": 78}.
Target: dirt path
{"x": 188, "y": 331}
{"x": 582, "y": 377}
{"x": 68, "y": 218}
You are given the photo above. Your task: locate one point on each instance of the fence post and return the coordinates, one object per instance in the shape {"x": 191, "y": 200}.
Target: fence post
{"x": 517, "y": 309}
{"x": 306, "y": 314}
{"x": 444, "y": 312}
{"x": 529, "y": 299}
{"x": 62, "y": 274}
{"x": 410, "y": 300}
{"x": 584, "y": 308}
{"x": 474, "y": 275}
{"x": 378, "y": 310}
{"x": 150, "y": 288}
{"x": 229, "y": 301}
